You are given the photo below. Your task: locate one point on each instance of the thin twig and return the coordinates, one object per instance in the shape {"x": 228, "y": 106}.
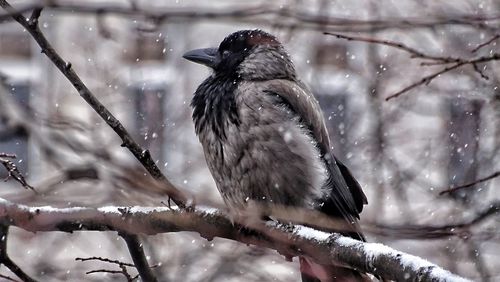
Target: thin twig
{"x": 412, "y": 51}
{"x": 123, "y": 271}
{"x": 427, "y": 79}
{"x": 8, "y": 278}
{"x": 491, "y": 40}
{"x": 123, "y": 266}
{"x": 481, "y": 73}
{"x": 106, "y": 260}
{"x": 480, "y": 180}
{"x": 13, "y": 171}
{"x": 5, "y": 259}
{"x": 432, "y": 60}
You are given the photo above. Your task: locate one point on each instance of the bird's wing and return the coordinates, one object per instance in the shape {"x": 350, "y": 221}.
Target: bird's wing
{"x": 347, "y": 198}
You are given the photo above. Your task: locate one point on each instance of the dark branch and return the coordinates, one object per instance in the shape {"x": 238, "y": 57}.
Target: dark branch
{"x": 480, "y": 180}
{"x": 432, "y": 61}
{"x": 123, "y": 267}
{"x": 5, "y": 259}
{"x": 141, "y": 154}
{"x": 137, "y": 253}
{"x": 106, "y": 260}
{"x": 123, "y": 271}
{"x": 8, "y": 278}
{"x": 13, "y": 171}
{"x": 491, "y": 40}
{"x": 414, "y": 53}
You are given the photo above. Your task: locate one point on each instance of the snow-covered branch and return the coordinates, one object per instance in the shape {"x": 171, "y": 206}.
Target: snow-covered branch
{"x": 210, "y": 223}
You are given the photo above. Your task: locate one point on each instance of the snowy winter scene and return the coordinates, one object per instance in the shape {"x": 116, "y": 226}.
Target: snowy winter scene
{"x": 289, "y": 140}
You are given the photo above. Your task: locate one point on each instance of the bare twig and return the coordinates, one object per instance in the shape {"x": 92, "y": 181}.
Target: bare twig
{"x": 287, "y": 239}
{"x": 123, "y": 267}
{"x": 413, "y": 52}
{"x": 481, "y": 73}
{"x": 141, "y": 154}
{"x": 486, "y": 43}
{"x": 434, "y": 60}
{"x": 480, "y": 180}
{"x": 8, "y": 278}
{"x": 123, "y": 271}
{"x": 255, "y": 14}
{"x": 5, "y": 259}
{"x": 13, "y": 171}
{"x": 427, "y": 79}
{"x": 106, "y": 260}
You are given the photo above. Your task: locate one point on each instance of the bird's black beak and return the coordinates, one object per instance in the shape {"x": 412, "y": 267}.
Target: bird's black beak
{"x": 207, "y": 56}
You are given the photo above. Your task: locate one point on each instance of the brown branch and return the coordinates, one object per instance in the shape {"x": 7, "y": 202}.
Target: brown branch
{"x": 123, "y": 271}
{"x": 412, "y": 51}
{"x": 137, "y": 253}
{"x": 106, "y": 260}
{"x": 8, "y": 278}
{"x": 491, "y": 40}
{"x": 434, "y": 60}
{"x": 13, "y": 171}
{"x": 427, "y": 79}
{"x": 480, "y": 72}
{"x": 123, "y": 267}
{"x": 480, "y": 180}
{"x": 5, "y": 259}
{"x": 287, "y": 239}
{"x": 141, "y": 154}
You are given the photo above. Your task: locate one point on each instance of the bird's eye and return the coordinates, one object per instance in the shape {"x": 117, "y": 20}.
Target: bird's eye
{"x": 226, "y": 53}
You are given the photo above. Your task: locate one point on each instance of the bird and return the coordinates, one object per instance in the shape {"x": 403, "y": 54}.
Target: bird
{"x": 265, "y": 140}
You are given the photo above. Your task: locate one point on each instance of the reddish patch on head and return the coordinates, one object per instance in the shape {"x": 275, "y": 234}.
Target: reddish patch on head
{"x": 261, "y": 38}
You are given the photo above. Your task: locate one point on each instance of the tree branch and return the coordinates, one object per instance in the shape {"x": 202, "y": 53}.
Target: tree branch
{"x": 480, "y": 180}
{"x": 5, "y": 259}
{"x": 144, "y": 157}
{"x": 434, "y": 60}
{"x": 210, "y": 223}
{"x": 122, "y": 265}
{"x": 13, "y": 171}
{"x": 141, "y": 154}
{"x": 138, "y": 257}
{"x": 488, "y": 42}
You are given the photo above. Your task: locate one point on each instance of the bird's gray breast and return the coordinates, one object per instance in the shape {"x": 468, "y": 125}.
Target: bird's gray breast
{"x": 269, "y": 156}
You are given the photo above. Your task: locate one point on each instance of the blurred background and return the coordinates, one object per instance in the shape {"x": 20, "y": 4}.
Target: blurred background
{"x": 403, "y": 152}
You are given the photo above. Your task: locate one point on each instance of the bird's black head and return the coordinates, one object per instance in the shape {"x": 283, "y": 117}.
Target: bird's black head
{"x": 248, "y": 54}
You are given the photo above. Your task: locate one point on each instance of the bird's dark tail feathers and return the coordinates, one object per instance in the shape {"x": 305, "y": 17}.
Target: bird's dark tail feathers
{"x": 314, "y": 272}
